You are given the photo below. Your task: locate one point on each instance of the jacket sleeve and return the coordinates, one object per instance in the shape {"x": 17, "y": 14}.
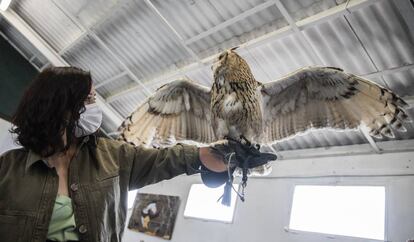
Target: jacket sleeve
{"x": 151, "y": 165}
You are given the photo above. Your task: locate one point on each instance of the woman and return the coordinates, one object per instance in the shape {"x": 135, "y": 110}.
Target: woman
{"x": 68, "y": 185}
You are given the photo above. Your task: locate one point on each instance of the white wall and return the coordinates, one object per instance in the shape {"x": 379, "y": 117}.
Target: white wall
{"x": 265, "y": 214}
{"x": 6, "y": 138}
{"x": 4, "y": 127}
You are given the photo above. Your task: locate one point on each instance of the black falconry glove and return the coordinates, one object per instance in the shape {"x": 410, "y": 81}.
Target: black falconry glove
{"x": 234, "y": 154}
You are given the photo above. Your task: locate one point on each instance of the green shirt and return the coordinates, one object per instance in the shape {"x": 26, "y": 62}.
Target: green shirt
{"x": 100, "y": 175}
{"x": 62, "y": 226}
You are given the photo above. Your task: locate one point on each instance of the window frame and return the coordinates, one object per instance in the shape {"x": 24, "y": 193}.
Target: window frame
{"x": 135, "y": 191}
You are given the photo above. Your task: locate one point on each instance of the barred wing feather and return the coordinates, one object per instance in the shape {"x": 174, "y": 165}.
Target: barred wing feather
{"x": 179, "y": 110}
{"x": 327, "y": 97}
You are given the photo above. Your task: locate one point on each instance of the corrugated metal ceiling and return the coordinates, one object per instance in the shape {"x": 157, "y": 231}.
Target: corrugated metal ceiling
{"x": 142, "y": 40}
{"x": 89, "y": 13}
{"x": 156, "y": 41}
{"x": 102, "y": 67}
{"x": 47, "y": 19}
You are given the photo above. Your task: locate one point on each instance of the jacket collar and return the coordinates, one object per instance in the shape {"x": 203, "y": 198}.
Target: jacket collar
{"x": 34, "y": 157}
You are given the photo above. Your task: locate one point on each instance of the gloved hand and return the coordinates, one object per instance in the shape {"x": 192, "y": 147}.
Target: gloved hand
{"x": 235, "y": 154}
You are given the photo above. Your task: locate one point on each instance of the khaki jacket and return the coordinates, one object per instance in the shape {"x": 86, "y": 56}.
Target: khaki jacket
{"x": 100, "y": 176}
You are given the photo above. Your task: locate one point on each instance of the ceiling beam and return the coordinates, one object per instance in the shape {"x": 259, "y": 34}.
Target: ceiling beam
{"x": 161, "y": 79}
{"x": 347, "y": 150}
{"x": 334, "y": 12}
{"x": 111, "y": 79}
{"x": 114, "y": 55}
{"x": 324, "y": 16}
{"x": 389, "y": 71}
{"x": 87, "y": 32}
{"x": 95, "y": 25}
{"x": 229, "y": 22}
{"x": 317, "y": 59}
{"x": 179, "y": 38}
{"x": 175, "y": 32}
{"x": 50, "y": 54}
{"x": 73, "y": 43}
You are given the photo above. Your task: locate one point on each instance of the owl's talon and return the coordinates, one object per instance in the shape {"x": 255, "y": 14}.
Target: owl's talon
{"x": 230, "y": 138}
{"x": 247, "y": 142}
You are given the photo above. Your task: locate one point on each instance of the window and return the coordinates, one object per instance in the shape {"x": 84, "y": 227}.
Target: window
{"x": 131, "y": 198}
{"x": 357, "y": 211}
{"x": 202, "y": 203}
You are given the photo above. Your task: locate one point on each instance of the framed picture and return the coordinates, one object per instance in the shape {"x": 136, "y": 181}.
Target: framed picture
{"x": 154, "y": 214}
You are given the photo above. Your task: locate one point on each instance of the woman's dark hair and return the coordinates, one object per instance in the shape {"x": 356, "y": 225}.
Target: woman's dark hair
{"x": 51, "y": 103}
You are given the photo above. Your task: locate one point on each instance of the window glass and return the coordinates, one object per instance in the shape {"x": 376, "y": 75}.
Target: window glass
{"x": 357, "y": 211}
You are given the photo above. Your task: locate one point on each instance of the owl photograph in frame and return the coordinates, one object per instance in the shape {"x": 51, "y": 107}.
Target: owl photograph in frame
{"x": 154, "y": 214}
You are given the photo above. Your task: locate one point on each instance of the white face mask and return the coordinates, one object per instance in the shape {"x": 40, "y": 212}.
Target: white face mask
{"x": 89, "y": 121}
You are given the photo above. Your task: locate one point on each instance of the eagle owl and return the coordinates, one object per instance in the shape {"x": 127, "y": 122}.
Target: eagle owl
{"x": 240, "y": 107}
{"x": 235, "y": 105}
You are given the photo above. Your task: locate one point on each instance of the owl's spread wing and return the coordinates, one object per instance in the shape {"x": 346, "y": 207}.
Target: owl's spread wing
{"x": 179, "y": 110}
{"x": 326, "y": 97}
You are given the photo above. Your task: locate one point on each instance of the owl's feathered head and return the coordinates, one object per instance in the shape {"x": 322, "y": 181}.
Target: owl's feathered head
{"x": 230, "y": 63}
